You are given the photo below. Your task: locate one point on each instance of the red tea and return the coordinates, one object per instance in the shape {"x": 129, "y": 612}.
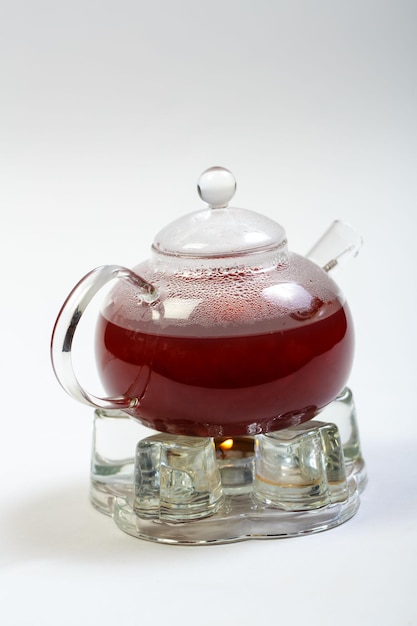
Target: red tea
{"x": 197, "y": 381}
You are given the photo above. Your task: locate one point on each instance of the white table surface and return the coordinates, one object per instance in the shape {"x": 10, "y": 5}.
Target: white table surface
{"x": 110, "y": 111}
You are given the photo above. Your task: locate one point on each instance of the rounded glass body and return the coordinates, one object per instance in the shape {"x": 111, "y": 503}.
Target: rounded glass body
{"x": 254, "y": 347}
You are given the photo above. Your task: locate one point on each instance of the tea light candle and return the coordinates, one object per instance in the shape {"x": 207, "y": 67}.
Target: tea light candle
{"x": 228, "y": 449}
{"x": 236, "y": 462}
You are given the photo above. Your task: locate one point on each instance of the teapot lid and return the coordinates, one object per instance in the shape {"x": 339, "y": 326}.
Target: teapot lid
{"x": 219, "y": 230}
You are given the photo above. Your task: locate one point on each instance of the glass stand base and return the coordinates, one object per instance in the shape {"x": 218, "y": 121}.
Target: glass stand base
{"x": 196, "y": 491}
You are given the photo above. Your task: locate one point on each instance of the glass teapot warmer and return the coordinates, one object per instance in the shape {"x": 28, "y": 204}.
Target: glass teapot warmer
{"x": 196, "y": 483}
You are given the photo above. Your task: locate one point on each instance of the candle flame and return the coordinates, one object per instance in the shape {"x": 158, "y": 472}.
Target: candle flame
{"x": 227, "y": 444}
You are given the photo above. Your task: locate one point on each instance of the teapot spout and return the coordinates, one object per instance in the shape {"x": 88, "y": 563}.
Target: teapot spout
{"x": 336, "y": 246}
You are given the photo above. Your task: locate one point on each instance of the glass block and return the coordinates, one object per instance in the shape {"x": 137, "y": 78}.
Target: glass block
{"x": 342, "y": 413}
{"x": 115, "y": 436}
{"x": 334, "y": 462}
{"x": 300, "y": 468}
{"x": 176, "y": 478}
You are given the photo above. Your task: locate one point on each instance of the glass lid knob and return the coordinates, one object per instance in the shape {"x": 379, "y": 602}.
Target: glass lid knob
{"x": 219, "y": 230}
{"x": 216, "y": 186}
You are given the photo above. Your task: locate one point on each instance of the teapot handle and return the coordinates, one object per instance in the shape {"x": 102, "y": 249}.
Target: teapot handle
{"x": 66, "y": 325}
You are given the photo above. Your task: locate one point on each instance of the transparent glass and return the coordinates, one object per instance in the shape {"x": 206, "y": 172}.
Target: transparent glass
{"x": 188, "y": 490}
{"x": 219, "y": 231}
{"x": 202, "y": 361}
{"x": 336, "y": 246}
{"x": 113, "y": 458}
{"x": 188, "y": 341}
{"x": 230, "y": 346}
{"x": 342, "y": 412}
{"x": 176, "y": 478}
{"x": 301, "y": 468}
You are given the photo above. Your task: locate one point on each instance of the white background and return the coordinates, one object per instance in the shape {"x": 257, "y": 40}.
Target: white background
{"x": 109, "y": 112}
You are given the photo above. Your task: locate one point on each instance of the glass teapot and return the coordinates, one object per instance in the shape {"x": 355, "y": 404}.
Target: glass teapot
{"x": 222, "y": 331}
